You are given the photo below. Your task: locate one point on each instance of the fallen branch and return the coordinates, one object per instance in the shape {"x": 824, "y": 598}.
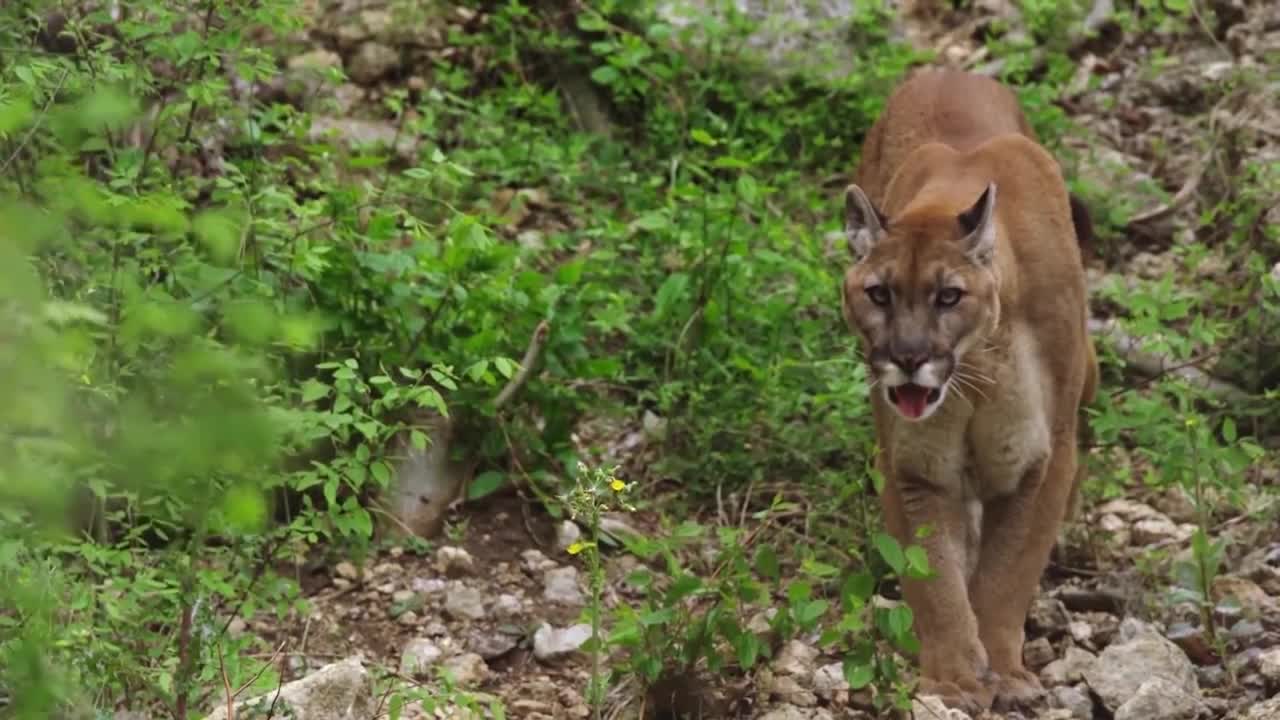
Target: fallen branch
{"x": 1078, "y": 599}
{"x": 1154, "y": 365}
{"x": 1189, "y": 189}
{"x": 530, "y": 359}
{"x": 1179, "y": 199}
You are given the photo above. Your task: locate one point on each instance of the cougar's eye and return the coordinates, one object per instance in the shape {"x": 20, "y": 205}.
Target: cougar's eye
{"x": 948, "y": 297}
{"x": 879, "y": 294}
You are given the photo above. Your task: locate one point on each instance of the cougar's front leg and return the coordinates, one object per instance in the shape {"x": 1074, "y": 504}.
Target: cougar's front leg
{"x": 953, "y": 662}
{"x": 1018, "y": 532}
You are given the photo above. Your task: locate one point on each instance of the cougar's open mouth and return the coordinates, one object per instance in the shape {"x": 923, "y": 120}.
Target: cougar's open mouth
{"x": 912, "y": 400}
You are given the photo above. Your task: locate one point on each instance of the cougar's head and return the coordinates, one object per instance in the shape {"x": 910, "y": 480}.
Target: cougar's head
{"x": 921, "y": 294}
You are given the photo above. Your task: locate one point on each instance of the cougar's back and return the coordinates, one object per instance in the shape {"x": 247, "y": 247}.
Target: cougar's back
{"x": 951, "y": 107}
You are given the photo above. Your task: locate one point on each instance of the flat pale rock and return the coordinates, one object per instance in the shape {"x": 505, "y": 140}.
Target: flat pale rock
{"x": 828, "y": 681}
{"x": 1267, "y": 710}
{"x": 464, "y": 603}
{"x": 931, "y": 707}
{"x": 1251, "y": 598}
{"x": 561, "y": 586}
{"x": 1048, "y": 616}
{"x": 1068, "y": 669}
{"x": 550, "y": 642}
{"x": 1159, "y": 699}
{"x": 791, "y": 712}
{"x": 467, "y": 669}
{"x": 1128, "y": 509}
{"x": 339, "y": 691}
{"x": 1037, "y": 653}
{"x": 567, "y": 533}
{"x": 1074, "y": 701}
{"x": 454, "y": 562}
{"x": 419, "y": 656}
{"x": 1140, "y": 654}
{"x": 795, "y": 658}
{"x": 1269, "y": 666}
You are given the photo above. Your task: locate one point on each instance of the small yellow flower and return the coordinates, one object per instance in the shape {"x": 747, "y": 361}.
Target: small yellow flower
{"x": 576, "y": 548}
{"x": 617, "y": 485}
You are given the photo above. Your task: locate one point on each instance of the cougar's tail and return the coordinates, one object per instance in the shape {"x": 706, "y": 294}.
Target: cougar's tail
{"x": 1083, "y": 223}
{"x": 1084, "y": 237}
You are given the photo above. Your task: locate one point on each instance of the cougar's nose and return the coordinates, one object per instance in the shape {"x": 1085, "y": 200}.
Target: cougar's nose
{"x": 909, "y": 353}
{"x": 910, "y": 362}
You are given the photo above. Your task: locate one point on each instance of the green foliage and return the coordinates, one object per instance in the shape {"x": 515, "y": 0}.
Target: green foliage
{"x": 732, "y": 609}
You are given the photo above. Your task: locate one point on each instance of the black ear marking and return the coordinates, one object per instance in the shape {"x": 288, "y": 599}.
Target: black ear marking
{"x": 971, "y": 218}
{"x": 979, "y": 226}
{"x": 884, "y": 221}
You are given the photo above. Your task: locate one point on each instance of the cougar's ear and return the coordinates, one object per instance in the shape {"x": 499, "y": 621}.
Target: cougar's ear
{"x": 979, "y": 226}
{"x": 863, "y": 223}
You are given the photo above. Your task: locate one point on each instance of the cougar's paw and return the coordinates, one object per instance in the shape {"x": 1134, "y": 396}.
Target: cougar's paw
{"x": 970, "y": 696}
{"x": 1017, "y": 689}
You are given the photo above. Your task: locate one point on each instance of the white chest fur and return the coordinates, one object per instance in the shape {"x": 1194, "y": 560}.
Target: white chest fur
{"x": 982, "y": 450}
{"x": 1008, "y": 435}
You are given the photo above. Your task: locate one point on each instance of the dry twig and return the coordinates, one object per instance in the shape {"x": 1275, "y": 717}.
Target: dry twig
{"x": 530, "y": 358}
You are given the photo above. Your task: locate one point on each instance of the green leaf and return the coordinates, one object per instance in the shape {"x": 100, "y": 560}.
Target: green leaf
{"x": 220, "y": 234}
{"x": 730, "y": 162}
{"x": 818, "y": 569}
{"x": 1229, "y": 430}
{"x": 429, "y": 397}
{"x": 891, "y": 551}
{"x": 25, "y": 75}
{"x": 858, "y": 675}
{"x": 688, "y": 530}
{"x": 15, "y": 114}
{"x": 860, "y": 587}
{"x": 747, "y": 649}
{"x": 767, "y": 562}
{"x": 684, "y": 586}
{"x": 244, "y": 508}
{"x": 605, "y": 75}
{"x": 418, "y": 439}
{"x": 669, "y": 293}
{"x": 900, "y": 620}
{"x": 652, "y": 221}
{"x": 445, "y": 381}
{"x": 485, "y": 484}
{"x": 313, "y": 390}
{"x": 702, "y": 137}
{"x": 505, "y": 367}
{"x": 809, "y": 612}
{"x": 917, "y": 562}
{"x": 799, "y": 591}
{"x": 570, "y": 272}
{"x": 657, "y": 617}
{"x": 477, "y": 370}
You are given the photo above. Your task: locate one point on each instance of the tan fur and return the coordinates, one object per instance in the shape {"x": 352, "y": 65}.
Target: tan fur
{"x": 992, "y": 469}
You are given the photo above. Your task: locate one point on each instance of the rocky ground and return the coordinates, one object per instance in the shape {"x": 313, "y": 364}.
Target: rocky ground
{"x": 498, "y": 602}
{"x": 500, "y": 611}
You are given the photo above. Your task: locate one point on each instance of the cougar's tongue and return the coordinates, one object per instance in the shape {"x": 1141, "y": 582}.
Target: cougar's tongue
{"x": 911, "y": 399}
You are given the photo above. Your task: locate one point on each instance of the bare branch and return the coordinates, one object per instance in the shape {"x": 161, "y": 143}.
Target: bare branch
{"x": 531, "y": 355}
